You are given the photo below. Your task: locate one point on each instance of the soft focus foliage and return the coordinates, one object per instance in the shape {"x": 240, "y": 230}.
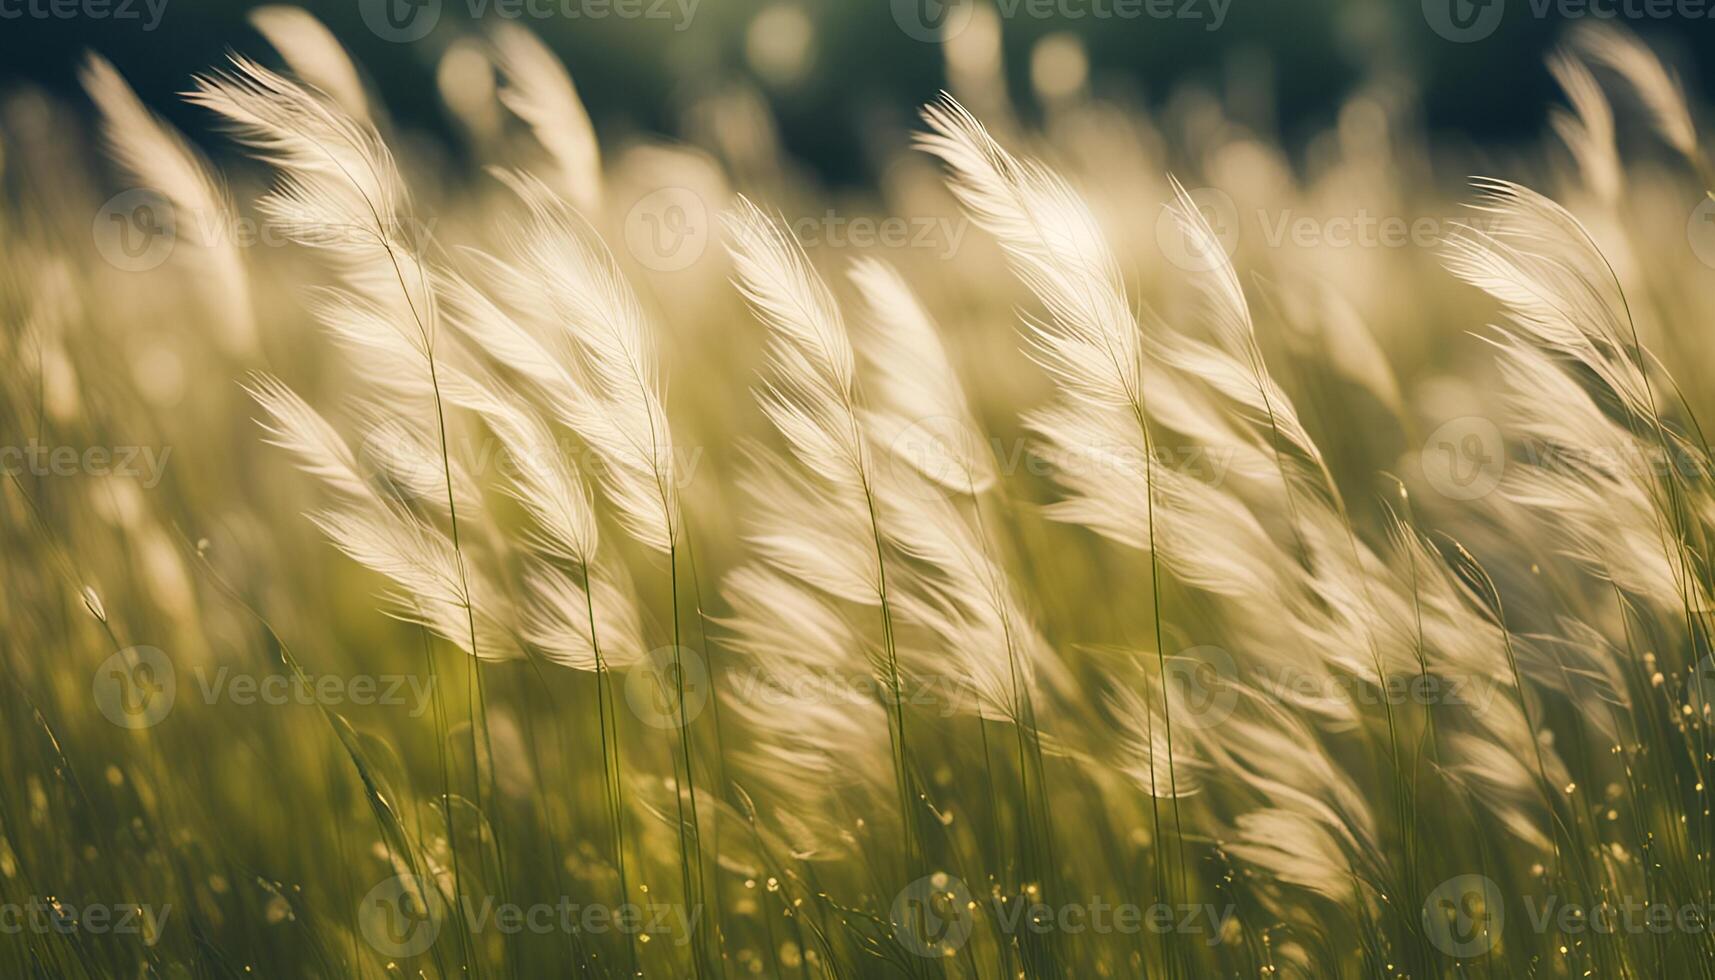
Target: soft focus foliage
{"x": 1107, "y": 512}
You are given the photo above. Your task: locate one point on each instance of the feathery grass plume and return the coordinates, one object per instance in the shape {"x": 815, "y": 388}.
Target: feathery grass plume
{"x": 919, "y": 418}
{"x": 402, "y": 452}
{"x": 1234, "y": 364}
{"x": 812, "y": 397}
{"x": 800, "y": 689}
{"x": 1622, "y": 52}
{"x": 1090, "y": 344}
{"x": 321, "y": 451}
{"x": 590, "y": 624}
{"x": 1588, "y": 131}
{"x": 314, "y": 55}
{"x": 1277, "y": 754}
{"x": 557, "y": 619}
{"x": 1093, "y": 348}
{"x": 546, "y": 483}
{"x": 1504, "y": 781}
{"x": 538, "y": 90}
{"x": 589, "y": 351}
{"x": 204, "y": 217}
{"x": 604, "y": 382}
{"x": 1208, "y": 539}
{"x": 826, "y": 522}
{"x": 825, "y": 540}
{"x": 1299, "y": 849}
{"x": 1564, "y": 309}
{"x": 584, "y": 346}
{"x": 1540, "y": 263}
{"x": 922, "y": 404}
{"x": 1313, "y": 828}
{"x": 338, "y": 187}
{"x": 418, "y": 559}
{"x": 1141, "y": 751}
{"x": 1596, "y": 480}
{"x": 337, "y": 190}
{"x": 433, "y": 589}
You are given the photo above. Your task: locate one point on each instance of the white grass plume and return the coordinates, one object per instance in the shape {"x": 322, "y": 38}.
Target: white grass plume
{"x": 418, "y": 559}
{"x": 546, "y": 483}
{"x": 1661, "y": 94}
{"x": 557, "y": 613}
{"x": 1234, "y": 364}
{"x": 1588, "y": 131}
{"x": 537, "y": 89}
{"x": 294, "y": 426}
{"x": 430, "y": 585}
{"x": 591, "y": 350}
{"x": 799, "y": 689}
{"x": 1090, "y": 343}
{"x": 1141, "y": 748}
{"x": 922, "y": 410}
{"x": 1542, "y": 265}
{"x": 811, "y": 395}
{"x": 314, "y": 54}
{"x": 338, "y": 186}
{"x": 821, "y": 538}
{"x": 157, "y": 157}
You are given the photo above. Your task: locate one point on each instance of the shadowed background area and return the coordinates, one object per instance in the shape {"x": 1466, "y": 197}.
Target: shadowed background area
{"x": 831, "y": 68}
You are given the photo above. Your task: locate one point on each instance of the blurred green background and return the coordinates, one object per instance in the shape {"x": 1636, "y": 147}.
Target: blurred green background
{"x": 851, "y": 65}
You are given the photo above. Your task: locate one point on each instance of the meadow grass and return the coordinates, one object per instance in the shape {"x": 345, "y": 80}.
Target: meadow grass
{"x": 1292, "y": 567}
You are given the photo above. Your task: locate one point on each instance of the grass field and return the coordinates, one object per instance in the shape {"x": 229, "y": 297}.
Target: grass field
{"x": 1109, "y": 546}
